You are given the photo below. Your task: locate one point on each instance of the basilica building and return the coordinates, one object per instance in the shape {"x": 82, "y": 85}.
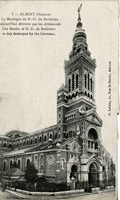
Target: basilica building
{"x": 71, "y": 149}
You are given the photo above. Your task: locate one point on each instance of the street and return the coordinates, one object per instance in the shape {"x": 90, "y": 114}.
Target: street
{"x": 90, "y": 196}
{"x": 5, "y": 196}
{"x": 100, "y": 196}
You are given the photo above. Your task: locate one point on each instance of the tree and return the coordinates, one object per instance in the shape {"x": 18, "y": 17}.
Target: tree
{"x": 31, "y": 172}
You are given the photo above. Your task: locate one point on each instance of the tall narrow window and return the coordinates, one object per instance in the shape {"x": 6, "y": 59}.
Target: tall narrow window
{"x": 4, "y": 166}
{"x": 35, "y": 140}
{"x": 77, "y": 81}
{"x": 18, "y": 164}
{"x": 85, "y": 81}
{"x": 73, "y": 82}
{"x": 91, "y": 84}
{"x": 28, "y": 162}
{"x": 45, "y": 138}
{"x": 11, "y": 164}
{"x": 40, "y": 139}
{"x": 69, "y": 85}
{"x": 88, "y": 81}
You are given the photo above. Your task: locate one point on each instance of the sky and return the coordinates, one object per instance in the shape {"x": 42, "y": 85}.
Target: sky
{"x": 32, "y": 68}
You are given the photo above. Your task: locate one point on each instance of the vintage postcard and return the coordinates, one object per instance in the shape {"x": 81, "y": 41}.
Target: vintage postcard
{"x": 58, "y": 99}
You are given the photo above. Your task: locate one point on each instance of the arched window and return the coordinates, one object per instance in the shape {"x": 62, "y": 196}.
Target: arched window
{"x": 85, "y": 81}
{"x": 92, "y": 134}
{"x": 51, "y": 136}
{"x": 91, "y": 84}
{"x": 31, "y": 141}
{"x": 15, "y": 164}
{"x": 4, "y": 166}
{"x": 69, "y": 85}
{"x": 88, "y": 81}
{"x": 77, "y": 81}
{"x": 72, "y": 81}
{"x": 10, "y": 146}
{"x": 28, "y": 161}
{"x": 11, "y": 164}
{"x": 18, "y": 164}
{"x": 35, "y": 140}
{"x": 92, "y": 137}
{"x": 45, "y": 138}
{"x": 40, "y": 139}
{"x": 4, "y": 145}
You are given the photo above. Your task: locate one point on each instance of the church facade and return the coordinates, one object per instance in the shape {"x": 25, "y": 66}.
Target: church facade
{"x": 71, "y": 149}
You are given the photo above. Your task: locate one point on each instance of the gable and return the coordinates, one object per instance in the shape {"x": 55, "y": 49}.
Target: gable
{"x": 94, "y": 118}
{"x": 75, "y": 147}
{"x": 72, "y": 145}
{"x": 92, "y": 159}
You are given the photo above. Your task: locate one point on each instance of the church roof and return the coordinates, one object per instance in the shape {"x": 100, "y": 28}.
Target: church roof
{"x": 16, "y": 152}
{"x": 49, "y": 145}
{"x": 15, "y": 172}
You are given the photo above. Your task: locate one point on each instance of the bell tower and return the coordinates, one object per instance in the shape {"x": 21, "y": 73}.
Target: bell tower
{"x": 78, "y": 91}
{"x": 80, "y": 69}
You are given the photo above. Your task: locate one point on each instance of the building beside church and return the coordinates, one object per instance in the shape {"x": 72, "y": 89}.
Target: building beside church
{"x": 72, "y": 148}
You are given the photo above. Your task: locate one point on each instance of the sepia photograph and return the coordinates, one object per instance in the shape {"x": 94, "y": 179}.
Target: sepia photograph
{"x": 58, "y": 99}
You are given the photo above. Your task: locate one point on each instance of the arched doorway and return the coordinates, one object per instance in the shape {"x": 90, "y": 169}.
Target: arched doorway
{"x": 73, "y": 173}
{"x": 93, "y": 177}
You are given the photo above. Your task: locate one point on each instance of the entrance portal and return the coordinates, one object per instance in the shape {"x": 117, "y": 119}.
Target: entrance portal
{"x": 93, "y": 175}
{"x": 73, "y": 172}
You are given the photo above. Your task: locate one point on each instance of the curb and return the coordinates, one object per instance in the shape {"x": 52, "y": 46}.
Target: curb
{"x": 22, "y": 194}
{"x": 16, "y": 195}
